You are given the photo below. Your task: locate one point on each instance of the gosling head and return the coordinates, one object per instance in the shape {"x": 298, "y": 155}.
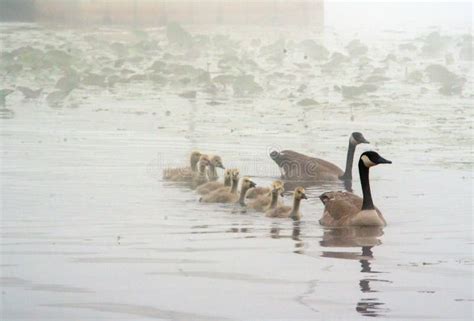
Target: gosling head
{"x": 247, "y": 183}
{"x": 228, "y": 174}
{"x": 195, "y": 156}
{"x": 227, "y": 177}
{"x": 357, "y": 138}
{"x": 371, "y": 158}
{"x": 216, "y": 161}
{"x": 300, "y": 193}
{"x": 235, "y": 173}
{"x": 204, "y": 161}
{"x": 277, "y": 187}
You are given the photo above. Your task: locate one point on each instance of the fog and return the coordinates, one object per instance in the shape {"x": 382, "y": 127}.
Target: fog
{"x": 101, "y": 100}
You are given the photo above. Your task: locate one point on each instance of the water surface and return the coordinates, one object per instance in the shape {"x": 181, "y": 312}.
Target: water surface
{"x": 90, "y": 231}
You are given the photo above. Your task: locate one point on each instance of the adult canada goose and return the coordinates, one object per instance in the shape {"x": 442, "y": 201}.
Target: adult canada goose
{"x": 183, "y": 174}
{"x": 292, "y": 212}
{"x": 212, "y": 186}
{"x": 269, "y": 200}
{"x": 297, "y": 166}
{"x": 222, "y": 196}
{"x": 215, "y": 161}
{"x": 200, "y": 176}
{"x": 347, "y": 209}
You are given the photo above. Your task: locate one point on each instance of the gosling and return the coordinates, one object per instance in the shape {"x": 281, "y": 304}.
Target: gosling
{"x": 287, "y": 211}
{"x": 215, "y": 161}
{"x": 183, "y": 174}
{"x": 267, "y": 201}
{"x": 220, "y": 195}
{"x": 231, "y": 197}
{"x": 200, "y": 177}
{"x": 212, "y": 186}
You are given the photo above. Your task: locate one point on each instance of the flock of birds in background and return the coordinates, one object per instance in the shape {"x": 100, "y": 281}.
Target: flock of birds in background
{"x": 54, "y": 65}
{"x": 340, "y": 208}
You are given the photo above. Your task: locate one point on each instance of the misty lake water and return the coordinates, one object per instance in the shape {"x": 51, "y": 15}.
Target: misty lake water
{"x": 90, "y": 231}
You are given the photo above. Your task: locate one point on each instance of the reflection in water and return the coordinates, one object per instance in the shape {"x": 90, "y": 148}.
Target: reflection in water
{"x": 295, "y": 236}
{"x": 366, "y": 238}
{"x": 370, "y": 307}
{"x": 299, "y": 244}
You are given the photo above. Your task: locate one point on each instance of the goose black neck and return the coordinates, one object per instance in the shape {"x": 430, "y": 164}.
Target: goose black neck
{"x": 274, "y": 199}
{"x": 349, "y": 161}
{"x": 367, "y": 203}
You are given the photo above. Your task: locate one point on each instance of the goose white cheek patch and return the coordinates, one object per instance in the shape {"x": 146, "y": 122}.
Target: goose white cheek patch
{"x": 367, "y": 161}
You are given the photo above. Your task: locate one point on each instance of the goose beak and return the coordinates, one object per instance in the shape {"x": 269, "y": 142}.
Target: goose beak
{"x": 274, "y": 154}
{"x": 362, "y": 140}
{"x": 382, "y": 160}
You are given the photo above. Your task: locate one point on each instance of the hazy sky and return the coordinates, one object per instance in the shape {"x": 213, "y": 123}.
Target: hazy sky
{"x": 398, "y": 13}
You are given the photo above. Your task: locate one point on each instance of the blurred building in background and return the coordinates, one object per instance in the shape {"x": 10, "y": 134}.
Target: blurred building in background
{"x": 158, "y": 12}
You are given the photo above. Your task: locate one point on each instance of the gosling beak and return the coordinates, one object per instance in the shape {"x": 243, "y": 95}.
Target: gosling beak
{"x": 221, "y": 166}
{"x": 382, "y": 160}
{"x": 281, "y": 194}
{"x": 252, "y": 184}
{"x": 303, "y": 196}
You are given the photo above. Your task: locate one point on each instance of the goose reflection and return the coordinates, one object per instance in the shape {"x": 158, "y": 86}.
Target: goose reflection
{"x": 275, "y": 233}
{"x": 366, "y": 238}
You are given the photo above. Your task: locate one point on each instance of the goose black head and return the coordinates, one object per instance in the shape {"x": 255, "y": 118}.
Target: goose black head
{"x": 372, "y": 158}
{"x": 274, "y": 155}
{"x": 357, "y": 138}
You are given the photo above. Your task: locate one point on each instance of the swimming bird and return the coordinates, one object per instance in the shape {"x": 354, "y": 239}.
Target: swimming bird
{"x": 212, "y": 186}
{"x": 292, "y": 212}
{"x": 183, "y": 174}
{"x": 269, "y": 200}
{"x": 215, "y": 161}
{"x": 347, "y": 209}
{"x": 232, "y": 196}
{"x": 200, "y": 177}
{"x": 221, "y": 195}
{"x": 296, "y": 166}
